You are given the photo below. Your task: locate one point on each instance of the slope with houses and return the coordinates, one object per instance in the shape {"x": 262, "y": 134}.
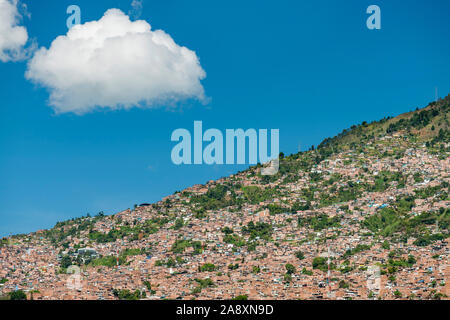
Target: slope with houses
{"x": 365, "y": 215}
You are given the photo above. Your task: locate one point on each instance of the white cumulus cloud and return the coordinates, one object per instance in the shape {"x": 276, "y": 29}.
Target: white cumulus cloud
{"x": 115, "y": 63}
{"x": 13, "y": 37}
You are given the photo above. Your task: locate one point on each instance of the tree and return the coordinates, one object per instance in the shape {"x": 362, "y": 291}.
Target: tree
{"x": 178, "y": 224}
{"x": 300, "y": 255}
{"x": 208, "y": 267}
{"x": 290, "y": 268}
{"x": 411, "y": 260}
{"x": 307, "y": 272}
{"x": 17, "y": 295}
{"x": 126, "y": 294}
{"x": 287, "y": 277}
{"x": 256, "y": 269}
{"x": 227, "y": 230}
{"x": 321, "y": 264}
{"x": 66, "y": 262}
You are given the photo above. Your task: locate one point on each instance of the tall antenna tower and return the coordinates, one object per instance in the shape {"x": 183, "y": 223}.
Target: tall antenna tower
{"x": 436, "y": 94}
{"x": 329, "y": 273}
{"x": 328, "y": 263}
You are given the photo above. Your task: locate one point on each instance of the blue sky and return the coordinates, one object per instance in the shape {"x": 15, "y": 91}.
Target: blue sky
{"x": 308, "y": 68}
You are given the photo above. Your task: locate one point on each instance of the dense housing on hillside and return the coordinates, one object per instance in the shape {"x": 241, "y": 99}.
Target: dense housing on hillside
{"x": 365, "y": 215}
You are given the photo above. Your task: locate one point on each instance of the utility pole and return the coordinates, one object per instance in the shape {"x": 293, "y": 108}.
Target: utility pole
{"x": 329, "y": 273}
{"x": 328, "y": 263}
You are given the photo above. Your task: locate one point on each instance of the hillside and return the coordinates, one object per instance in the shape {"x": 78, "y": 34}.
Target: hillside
{"x": 370, "y": 205}
{"x": 424, "y": 124}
